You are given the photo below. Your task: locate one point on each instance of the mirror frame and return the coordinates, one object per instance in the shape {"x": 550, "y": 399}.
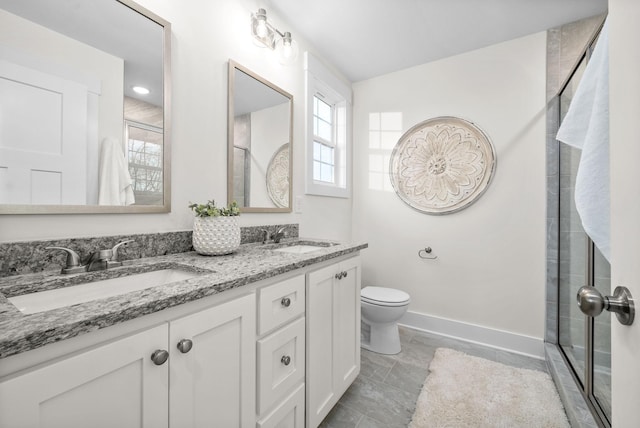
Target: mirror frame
{"x": 166, "y": 144}
{"x": 233, "y": 66}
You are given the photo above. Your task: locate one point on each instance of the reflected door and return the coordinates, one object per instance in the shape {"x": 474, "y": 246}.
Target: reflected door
{"x": 43, "y": 134}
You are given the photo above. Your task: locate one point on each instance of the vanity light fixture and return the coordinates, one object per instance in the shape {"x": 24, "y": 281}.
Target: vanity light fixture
{"x": 269, "y": 36}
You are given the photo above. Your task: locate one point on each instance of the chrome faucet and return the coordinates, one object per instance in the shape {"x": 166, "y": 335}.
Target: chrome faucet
{"x": 280, "y": 233}
{"x": 96, "y": 260}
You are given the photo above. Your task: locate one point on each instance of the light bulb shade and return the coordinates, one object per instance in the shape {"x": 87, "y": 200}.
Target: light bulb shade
{"x": 286, "y": 49}
{"x": 261, "y": 30}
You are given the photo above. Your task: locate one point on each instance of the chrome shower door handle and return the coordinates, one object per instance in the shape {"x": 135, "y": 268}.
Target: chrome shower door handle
{"x": 592, "y": 303}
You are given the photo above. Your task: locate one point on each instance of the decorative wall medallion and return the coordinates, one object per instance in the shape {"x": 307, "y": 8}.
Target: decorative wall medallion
{"x": 442, "y": 165}
{"x": 278, "y": 177}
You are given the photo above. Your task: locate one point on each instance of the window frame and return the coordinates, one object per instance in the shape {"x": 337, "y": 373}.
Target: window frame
{"x": 335, "y": 92}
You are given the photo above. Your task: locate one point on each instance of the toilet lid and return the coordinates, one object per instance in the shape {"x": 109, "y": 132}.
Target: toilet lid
{"x": 384, "y": 296}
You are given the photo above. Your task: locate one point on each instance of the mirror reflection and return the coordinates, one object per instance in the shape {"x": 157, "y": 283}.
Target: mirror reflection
{"x": 260, "y": 129}
{"x": 82, "y": 90}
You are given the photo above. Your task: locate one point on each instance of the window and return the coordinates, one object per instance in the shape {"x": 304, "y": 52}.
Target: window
{"x": 144, "y": 154}
{"x": 324, "y": 146}
{"x": 328, "y": 113}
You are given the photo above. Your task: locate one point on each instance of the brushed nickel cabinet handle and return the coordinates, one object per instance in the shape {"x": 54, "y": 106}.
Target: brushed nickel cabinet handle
{"x": 159, "y": 357}
{"x": 285, "y": 302}
{"x": 286, "y": 360}
{"x": 185, "y": 345}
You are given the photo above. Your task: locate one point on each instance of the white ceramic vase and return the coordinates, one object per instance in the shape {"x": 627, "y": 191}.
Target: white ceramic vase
{"x": 215, "y": 236}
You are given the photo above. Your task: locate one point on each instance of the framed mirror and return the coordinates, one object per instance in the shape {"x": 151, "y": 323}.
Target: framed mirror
{"x": 75, "y": 136}
{"x": 260, "y": 129}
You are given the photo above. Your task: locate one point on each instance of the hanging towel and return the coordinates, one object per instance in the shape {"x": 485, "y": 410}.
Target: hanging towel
{"x": 115, "y": 181}
{"x": 586, "y": 127}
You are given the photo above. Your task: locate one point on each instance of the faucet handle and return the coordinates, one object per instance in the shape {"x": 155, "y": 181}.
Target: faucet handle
{"x": 73, "y": 260}
{"x": 265, "y": 235}
{"x": 114, "y": 250}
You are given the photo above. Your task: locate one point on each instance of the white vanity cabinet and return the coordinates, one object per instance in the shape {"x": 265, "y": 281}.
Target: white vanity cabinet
{"x": 277, "y": 353}
{"x": 113, "y": 385}
{"x": 118, "y": 385}
{"x": 333, "y": 335}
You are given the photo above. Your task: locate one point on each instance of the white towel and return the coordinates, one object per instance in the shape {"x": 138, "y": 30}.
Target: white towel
{"x": 586, "y": 127}
{"x": 115, "y": 181}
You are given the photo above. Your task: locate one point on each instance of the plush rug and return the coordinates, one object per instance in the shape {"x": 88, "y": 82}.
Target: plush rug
{"x": 466, "y": 391}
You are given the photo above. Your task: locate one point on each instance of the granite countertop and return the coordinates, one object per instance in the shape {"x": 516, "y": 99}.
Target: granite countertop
{"x": 216, "y": 274}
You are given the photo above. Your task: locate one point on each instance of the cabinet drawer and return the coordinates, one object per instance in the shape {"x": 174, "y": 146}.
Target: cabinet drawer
{"x": 280, "y": 303}
{"x": 281, "y": 363}
{"x": 289, "y": 414}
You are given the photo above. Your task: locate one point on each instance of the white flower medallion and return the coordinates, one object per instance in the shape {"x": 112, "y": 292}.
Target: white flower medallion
{"x": 442, "y": 165}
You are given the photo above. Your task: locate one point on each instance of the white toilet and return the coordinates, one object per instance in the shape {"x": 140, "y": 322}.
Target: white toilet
{"x": 381, "y": 309}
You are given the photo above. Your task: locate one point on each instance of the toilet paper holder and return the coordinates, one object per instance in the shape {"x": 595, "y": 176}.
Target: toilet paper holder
{"x": 425, "y": 253}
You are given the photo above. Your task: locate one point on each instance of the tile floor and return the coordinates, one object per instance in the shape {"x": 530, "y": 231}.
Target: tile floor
{"x": 385, "y": 393}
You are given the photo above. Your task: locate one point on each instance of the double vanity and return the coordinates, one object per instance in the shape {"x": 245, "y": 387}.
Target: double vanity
{"x": 267, "y": 336}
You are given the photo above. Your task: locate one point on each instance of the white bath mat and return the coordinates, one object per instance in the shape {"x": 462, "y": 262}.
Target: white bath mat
{"x": 465, "y": 391}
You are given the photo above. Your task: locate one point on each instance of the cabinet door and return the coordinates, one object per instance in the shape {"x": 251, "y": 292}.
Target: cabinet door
{"x": 333, "y": 336}
{"x": 346, "y": 333}
{"x": 213, "y": 384}
{"x": 112, "y": 385}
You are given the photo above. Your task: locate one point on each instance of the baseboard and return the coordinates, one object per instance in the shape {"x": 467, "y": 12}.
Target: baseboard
{"x": 512, "y": 342}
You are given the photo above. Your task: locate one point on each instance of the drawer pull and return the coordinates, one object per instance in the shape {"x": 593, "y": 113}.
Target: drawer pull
{"x": 341, "y": 275}
{"x": 185, "y": 345}
{"x": 159, "y": 357}
{"x": 286, "y": 302}
{"x": 285, "y": 360}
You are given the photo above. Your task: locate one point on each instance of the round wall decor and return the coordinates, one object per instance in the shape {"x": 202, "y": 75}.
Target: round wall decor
{"x": 278, "y": 177}
{"x": 442, "y": 165}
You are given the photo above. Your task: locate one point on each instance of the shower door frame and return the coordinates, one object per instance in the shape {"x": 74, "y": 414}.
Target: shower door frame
{"x": 586, "y": 389}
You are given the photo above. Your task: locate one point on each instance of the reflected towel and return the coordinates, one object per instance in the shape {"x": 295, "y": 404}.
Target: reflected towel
{"x": 586, "y": 127}
{"x": 115, "y": 181}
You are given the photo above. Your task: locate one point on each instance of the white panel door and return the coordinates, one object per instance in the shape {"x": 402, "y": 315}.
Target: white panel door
{"x": 213, "y": 384}
{"x": 43, "y": 138}
{"x": 624, "y": 67}
{"x": 113, "y": 385}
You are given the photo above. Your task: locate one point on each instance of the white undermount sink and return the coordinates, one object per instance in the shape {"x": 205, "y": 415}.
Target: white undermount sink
{"x": 67, "y": 296}
{"x": 299, "y": 249}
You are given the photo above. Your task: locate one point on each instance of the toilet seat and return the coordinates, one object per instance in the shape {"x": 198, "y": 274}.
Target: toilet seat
{"x": 382, "y": 296}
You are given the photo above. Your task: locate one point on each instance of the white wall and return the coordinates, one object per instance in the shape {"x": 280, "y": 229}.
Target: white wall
{"x": 205, "y": 35}
{"x": 490, "y": 270}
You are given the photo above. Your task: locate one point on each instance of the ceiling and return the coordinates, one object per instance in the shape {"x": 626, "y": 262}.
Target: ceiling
{"x": 368, "y": 38}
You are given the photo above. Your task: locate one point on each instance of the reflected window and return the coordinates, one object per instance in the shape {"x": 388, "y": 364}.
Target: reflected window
{"x": 144, "y": 154}
{"x": 385, "y": 129}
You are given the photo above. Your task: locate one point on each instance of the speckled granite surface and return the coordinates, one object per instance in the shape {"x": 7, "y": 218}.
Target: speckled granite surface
{"x": 18, "y": 258}
{"x": 251, "y": 263}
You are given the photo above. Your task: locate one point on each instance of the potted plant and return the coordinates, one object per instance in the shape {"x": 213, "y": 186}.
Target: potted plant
{"x": 215, "y": 230}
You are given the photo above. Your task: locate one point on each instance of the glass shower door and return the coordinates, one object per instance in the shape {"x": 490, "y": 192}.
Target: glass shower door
{"x": 585, "y": 341}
